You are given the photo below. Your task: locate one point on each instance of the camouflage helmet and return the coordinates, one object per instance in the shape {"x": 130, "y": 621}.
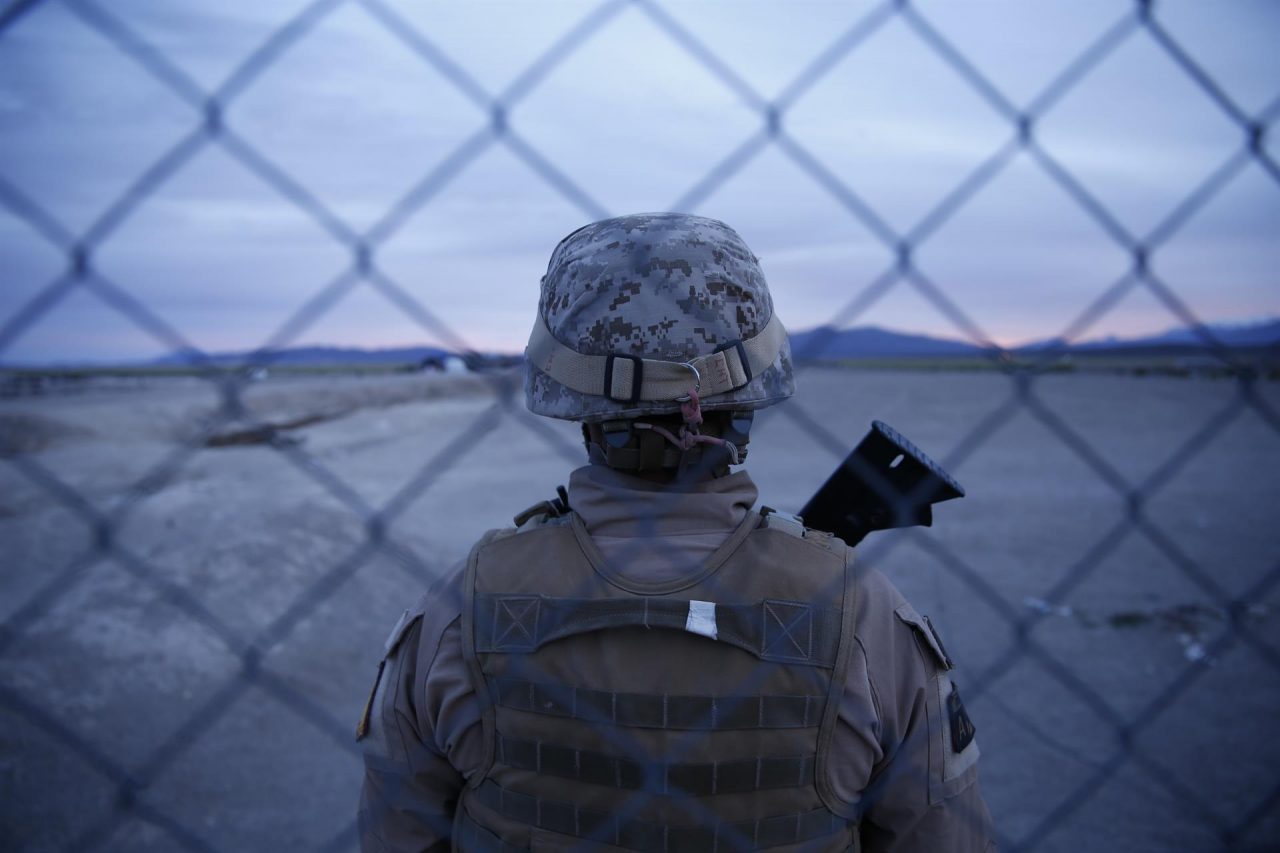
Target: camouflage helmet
{"x": 635, "y": 311}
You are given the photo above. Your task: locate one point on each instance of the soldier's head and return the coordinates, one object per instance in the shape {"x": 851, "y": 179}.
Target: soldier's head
{"x": 657, "y": 332}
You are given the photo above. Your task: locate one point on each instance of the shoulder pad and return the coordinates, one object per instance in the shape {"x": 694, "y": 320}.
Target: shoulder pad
{"x": 492, "y": 536}
{"x": 402, "y": 626}
{"x": 793, "y": 525}
{"x": 543, "y": 511}
{"x": 789, "y": 524}
{"x": 536, "y": 511}
{"x": 536, "y": 521}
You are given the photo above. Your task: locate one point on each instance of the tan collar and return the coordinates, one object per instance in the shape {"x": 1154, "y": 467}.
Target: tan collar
{"x": 612, "y": 503}
{"x": 617, "y": 509}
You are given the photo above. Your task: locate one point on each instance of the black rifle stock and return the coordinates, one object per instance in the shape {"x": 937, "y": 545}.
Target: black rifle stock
{"x": 885, "y": 482}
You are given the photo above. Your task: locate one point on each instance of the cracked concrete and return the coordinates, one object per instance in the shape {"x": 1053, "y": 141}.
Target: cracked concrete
{"x": 96, "y": 652}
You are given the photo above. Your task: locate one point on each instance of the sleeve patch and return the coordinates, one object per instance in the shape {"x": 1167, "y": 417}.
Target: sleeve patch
{"x": 959, "y": 746}
{"x": 962, "y": 729}
{"x": 953, "y": 753}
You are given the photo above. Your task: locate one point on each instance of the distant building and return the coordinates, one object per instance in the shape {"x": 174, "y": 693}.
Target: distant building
{"x": 444, "y": 363}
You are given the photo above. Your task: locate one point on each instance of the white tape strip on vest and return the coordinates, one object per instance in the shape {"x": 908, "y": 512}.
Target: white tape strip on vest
{"x": 702, "y": 618}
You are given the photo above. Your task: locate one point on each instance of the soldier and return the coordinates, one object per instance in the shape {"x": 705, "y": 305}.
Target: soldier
{"x": 648, "y": 663}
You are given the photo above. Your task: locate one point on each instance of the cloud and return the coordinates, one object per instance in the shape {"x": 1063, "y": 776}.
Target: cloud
{"x": 632, "y": 120}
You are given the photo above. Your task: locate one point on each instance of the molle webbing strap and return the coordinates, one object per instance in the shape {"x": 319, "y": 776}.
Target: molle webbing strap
{"x": 649, "y": 836}
{"x": 630, "y": 379}
{"x": 659, "y": 711}
{"x": 656, "y": 777}
{"x": 474, "y": 838}
{"x": 774, "y": 630}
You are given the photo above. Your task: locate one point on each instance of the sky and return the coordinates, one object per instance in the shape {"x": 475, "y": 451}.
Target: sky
{"x": 629, "y": 119}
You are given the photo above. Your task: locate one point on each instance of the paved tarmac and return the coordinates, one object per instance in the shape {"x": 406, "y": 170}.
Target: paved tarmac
{"x": 99, "y": 651}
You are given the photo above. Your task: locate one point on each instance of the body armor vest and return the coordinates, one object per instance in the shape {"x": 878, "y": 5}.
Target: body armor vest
{"x": 693, "y": 715}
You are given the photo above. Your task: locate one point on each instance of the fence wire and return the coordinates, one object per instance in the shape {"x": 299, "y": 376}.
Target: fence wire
{"x": 80, "y": 248}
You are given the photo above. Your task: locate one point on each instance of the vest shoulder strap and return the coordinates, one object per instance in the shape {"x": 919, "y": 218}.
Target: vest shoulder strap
{"x": 823, "y": 775}
{"x": 793, "y": 525}
{"x": 543, "y": 512}
{"x": 771, "y": 629}
{"x": 538, "y": 516}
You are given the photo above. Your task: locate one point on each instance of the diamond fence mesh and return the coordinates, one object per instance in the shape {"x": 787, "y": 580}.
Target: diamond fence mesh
{"x": 256, "y": 690}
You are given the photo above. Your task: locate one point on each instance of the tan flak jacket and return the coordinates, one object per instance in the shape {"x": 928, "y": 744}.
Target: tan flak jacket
{"x": 659, "y": 671}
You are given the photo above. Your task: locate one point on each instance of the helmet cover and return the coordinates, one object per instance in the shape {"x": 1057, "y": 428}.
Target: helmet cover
{"x": 668, "y": 286}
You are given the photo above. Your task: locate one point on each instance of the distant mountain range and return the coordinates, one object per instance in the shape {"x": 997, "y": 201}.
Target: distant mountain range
{"x": 1263, "y": 334}
{"x": 820, "y": 344}
{"x": 825, "y": 343}
{"x": 315, "y": 355}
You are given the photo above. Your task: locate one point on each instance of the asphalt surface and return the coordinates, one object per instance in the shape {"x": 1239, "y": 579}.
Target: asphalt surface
{"x": 110, "y": 671}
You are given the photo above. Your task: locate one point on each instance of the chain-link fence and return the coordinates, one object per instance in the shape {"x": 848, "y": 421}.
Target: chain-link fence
{"x": 259, "y": 699}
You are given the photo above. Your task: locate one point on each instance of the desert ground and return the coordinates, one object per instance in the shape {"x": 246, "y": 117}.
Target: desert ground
{"x": 193, "y": 598}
